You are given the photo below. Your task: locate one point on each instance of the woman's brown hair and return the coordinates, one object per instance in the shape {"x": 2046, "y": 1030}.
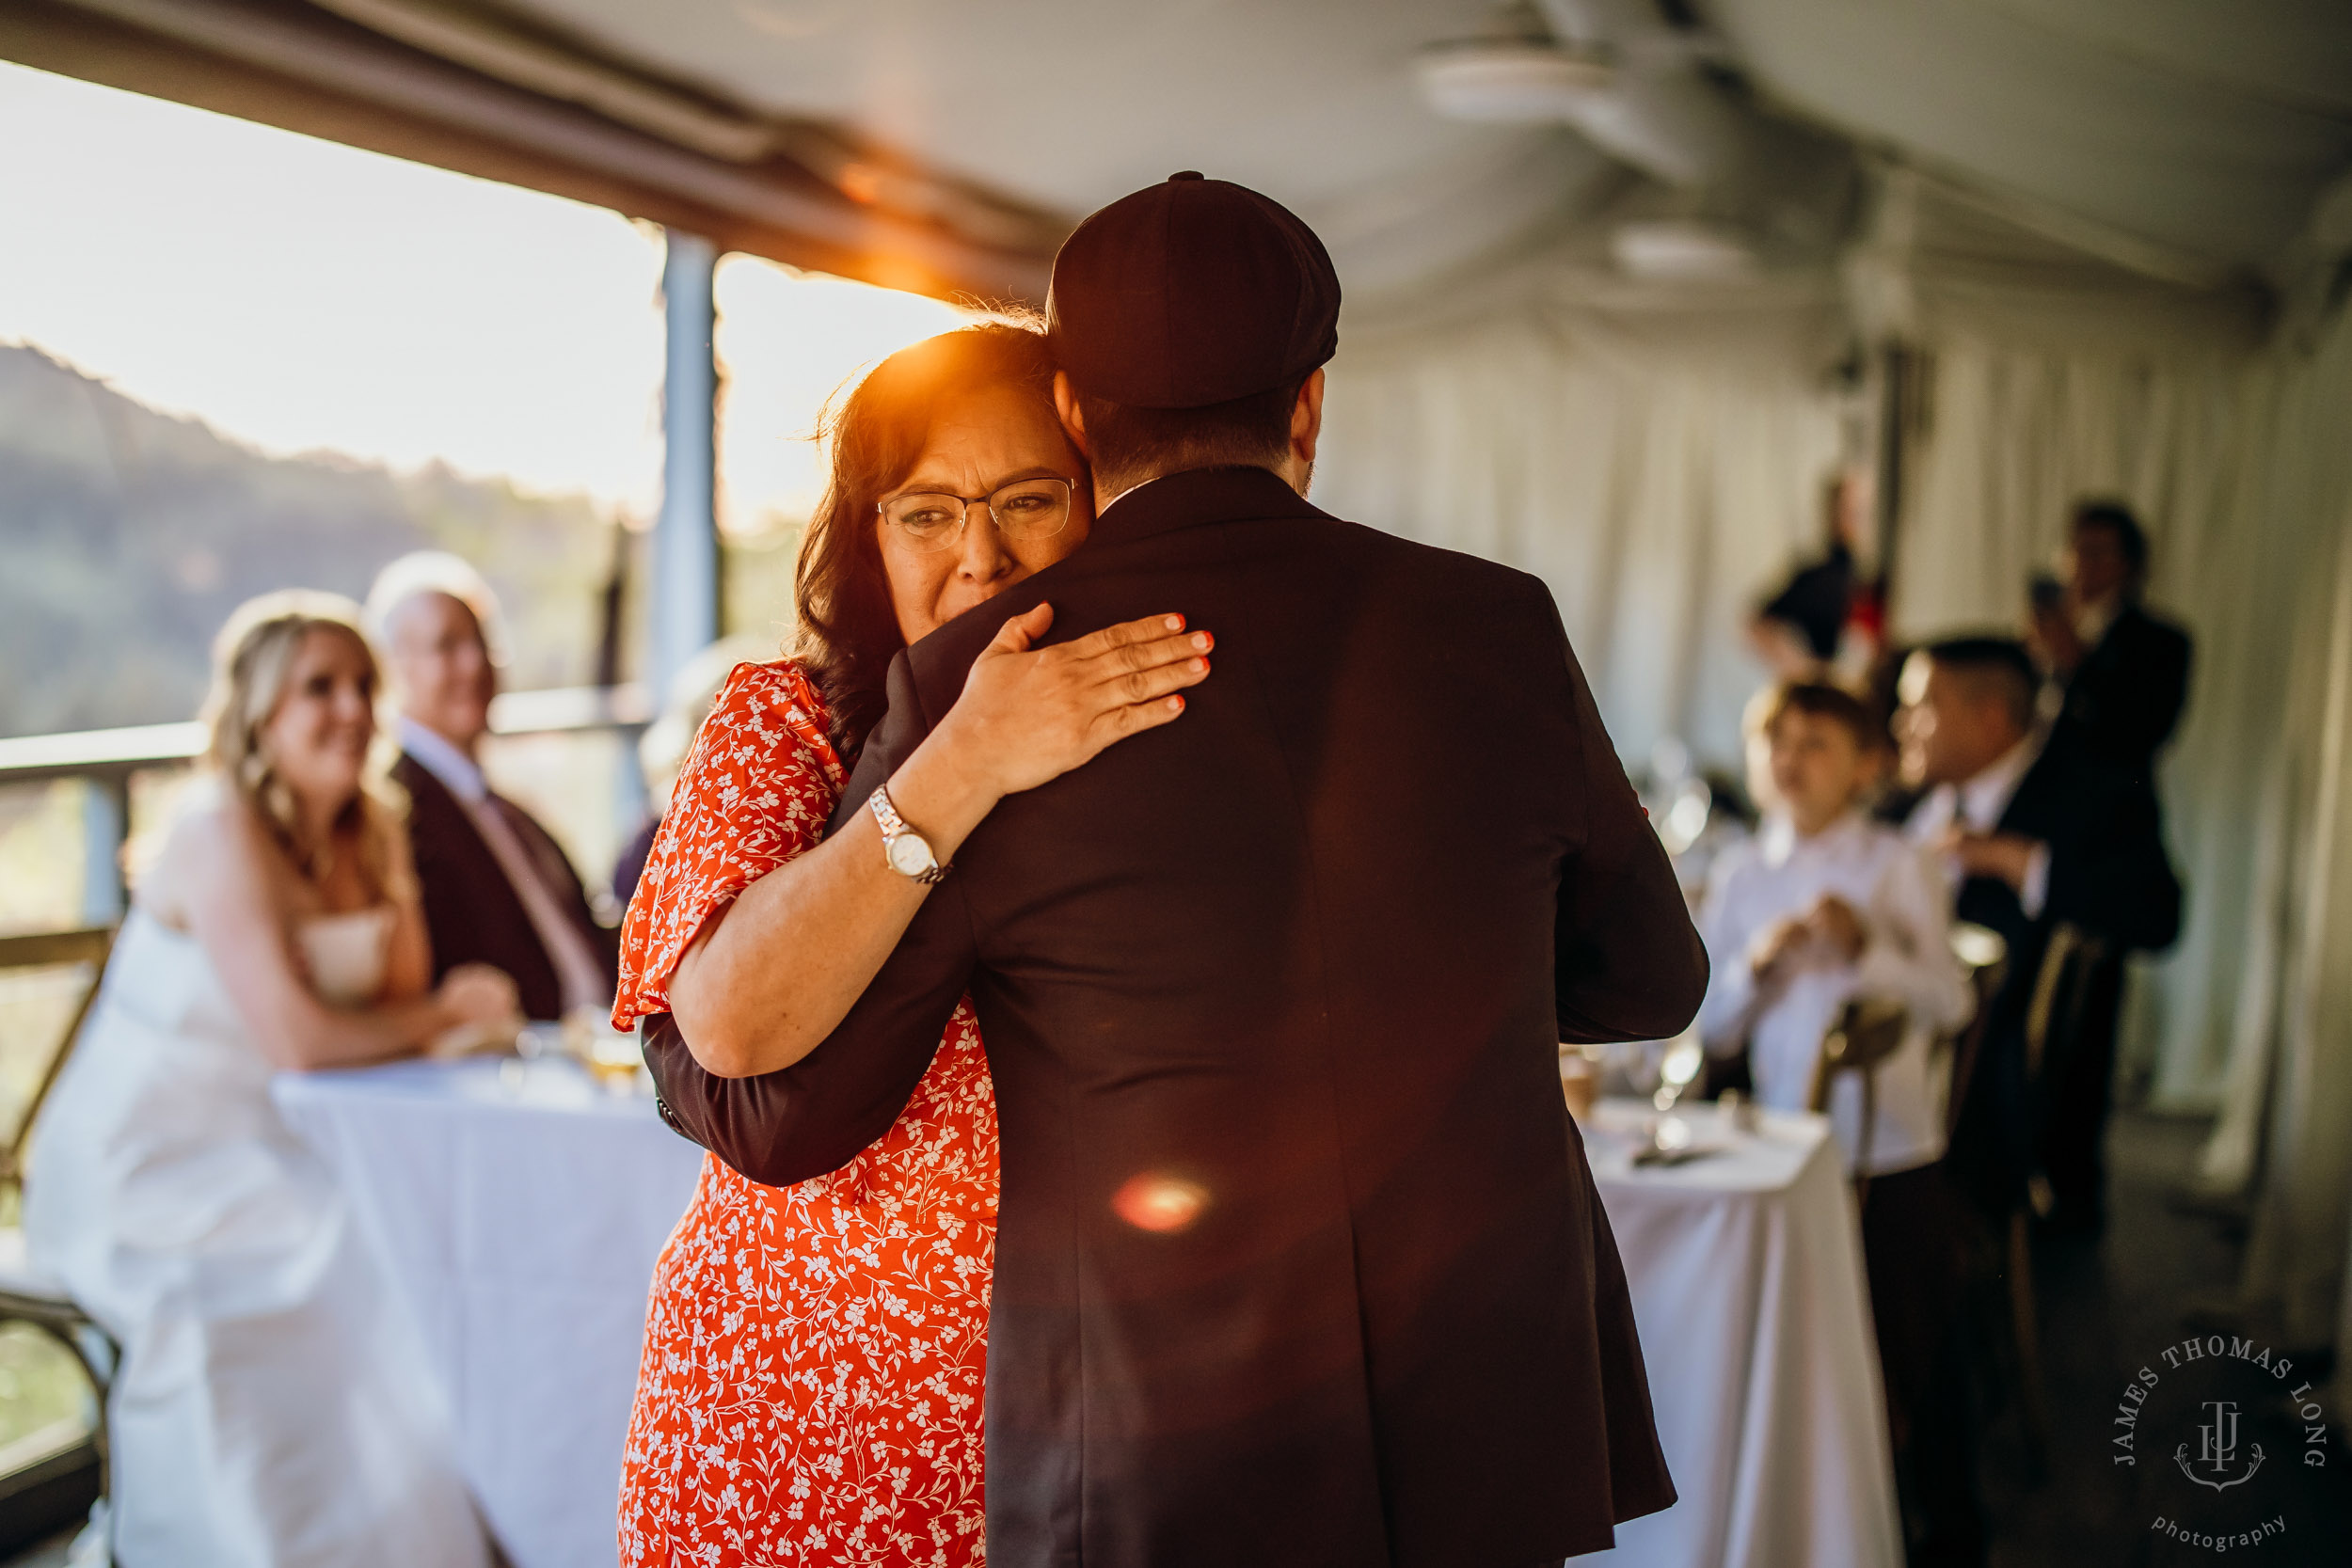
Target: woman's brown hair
{"x": 848, "y": 632}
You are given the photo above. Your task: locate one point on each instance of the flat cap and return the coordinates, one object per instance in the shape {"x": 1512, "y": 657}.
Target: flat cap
{"x": 1190, "y": 293}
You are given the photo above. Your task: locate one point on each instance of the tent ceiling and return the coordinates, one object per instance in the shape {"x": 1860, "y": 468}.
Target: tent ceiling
{"x": 2177, "y": 136}
{"x": 2209, "y": 128}
{"x": 1069, "y": 104}
{"x": 2203, "y": 132}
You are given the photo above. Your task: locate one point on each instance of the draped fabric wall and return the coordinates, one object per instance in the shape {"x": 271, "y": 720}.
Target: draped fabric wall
{"x": 2241, "y": 466}
{"x": 1658, "y": 469}
{"x": 2291, "y": 1074}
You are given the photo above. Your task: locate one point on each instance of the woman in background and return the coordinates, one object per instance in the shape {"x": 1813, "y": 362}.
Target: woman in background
{"x": 268, "y": 1412}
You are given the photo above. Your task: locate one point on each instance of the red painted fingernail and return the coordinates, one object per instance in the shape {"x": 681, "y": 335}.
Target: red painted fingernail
{"x": 1175, "y": 623}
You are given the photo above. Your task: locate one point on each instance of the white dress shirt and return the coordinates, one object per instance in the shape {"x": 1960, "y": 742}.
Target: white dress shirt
{"x": 1906, "y": 957}
{"x": 2095, "y": 619}
{"x": 1979, "y": 805}
{"x": 578, "y": 972}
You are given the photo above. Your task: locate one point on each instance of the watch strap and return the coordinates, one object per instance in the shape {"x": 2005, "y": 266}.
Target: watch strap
{"x": 894, "y": 826}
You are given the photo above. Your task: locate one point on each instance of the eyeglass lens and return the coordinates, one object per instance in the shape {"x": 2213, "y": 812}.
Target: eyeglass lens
{"x": 1026, "y": 509}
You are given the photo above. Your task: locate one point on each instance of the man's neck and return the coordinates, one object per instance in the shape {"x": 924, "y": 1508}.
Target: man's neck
{"x": 469, "y": 747}
{"x": 1290, "y": 471}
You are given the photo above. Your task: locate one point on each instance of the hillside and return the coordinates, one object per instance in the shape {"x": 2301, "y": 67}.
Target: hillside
{"x": 129, "y": 535}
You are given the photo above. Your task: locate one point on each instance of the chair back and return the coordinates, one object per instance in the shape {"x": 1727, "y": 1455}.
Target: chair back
{"x": 1983, "y": 952}
{"x": 37, "y": 1032}
{"x": 2054, "y": 1015}
{"x": 1869, "y": 1030}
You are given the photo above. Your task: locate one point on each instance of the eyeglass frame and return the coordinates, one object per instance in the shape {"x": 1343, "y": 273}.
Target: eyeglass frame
{"x": 965, "y": 503}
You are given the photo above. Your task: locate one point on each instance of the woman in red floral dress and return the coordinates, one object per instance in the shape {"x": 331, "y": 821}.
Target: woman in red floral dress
{"x": 810, "y": 1393}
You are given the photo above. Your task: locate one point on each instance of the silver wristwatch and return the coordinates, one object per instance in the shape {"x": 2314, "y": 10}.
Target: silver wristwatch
{"x": 904, "y": 850}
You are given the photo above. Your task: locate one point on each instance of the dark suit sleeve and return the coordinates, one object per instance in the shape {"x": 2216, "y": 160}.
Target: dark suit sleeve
{"x": 818, "y": 1115}
{"x": 2128, "y": 696}
{"x": 2108, "y": 870}
{"x": 1627, "y": 962}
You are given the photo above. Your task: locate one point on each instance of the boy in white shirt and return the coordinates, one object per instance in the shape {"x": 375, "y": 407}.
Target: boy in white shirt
{"x": 1821, "y": 907}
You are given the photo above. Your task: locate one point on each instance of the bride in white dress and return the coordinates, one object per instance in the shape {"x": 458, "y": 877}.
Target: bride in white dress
{"x": 270, "y": 1411}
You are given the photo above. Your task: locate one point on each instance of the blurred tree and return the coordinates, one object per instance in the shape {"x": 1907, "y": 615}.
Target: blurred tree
{"x": 127, "y": 536}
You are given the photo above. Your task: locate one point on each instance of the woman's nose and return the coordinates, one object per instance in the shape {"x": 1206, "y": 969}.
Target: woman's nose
{"x": 985, "y": 558}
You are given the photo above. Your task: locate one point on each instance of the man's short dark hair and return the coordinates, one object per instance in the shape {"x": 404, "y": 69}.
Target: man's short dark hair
{"x": 1999, "y": 666}
{"x": 1128, "y": 445}
{"x": 2116, "y": 518}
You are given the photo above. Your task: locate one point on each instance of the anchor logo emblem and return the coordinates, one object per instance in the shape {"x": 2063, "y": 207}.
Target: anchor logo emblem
{"x": 2216, "y": 1450}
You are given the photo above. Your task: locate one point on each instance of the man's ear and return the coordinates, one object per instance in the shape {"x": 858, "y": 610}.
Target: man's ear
{"x": 1307, "y": 417}
{"x": 1073, "y": 422}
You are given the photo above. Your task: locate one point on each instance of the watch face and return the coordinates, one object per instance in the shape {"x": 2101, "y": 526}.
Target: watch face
{"x": 910, "y": 856}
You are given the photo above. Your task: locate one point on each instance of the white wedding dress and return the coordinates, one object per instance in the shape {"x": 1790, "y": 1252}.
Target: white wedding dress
{"x": 271, "y": 1410}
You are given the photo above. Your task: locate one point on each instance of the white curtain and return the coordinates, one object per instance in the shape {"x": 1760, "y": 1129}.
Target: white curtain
{"x": 2291, "y": 1074}
{"x": 1659, "y": 462}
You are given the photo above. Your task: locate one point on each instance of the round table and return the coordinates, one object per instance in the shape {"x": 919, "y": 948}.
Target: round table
{"x": 517, "y": 1208}
{"x": 1745, "y": 1268}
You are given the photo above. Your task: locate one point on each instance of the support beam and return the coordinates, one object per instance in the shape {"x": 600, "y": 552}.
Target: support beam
{"x": 105, "y": 824}
{"x": 685, "y": 587}
{"x": 292, "y": 64}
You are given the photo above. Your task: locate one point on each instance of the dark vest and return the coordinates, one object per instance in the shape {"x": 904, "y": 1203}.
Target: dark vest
{"x": 1308, "y": 954}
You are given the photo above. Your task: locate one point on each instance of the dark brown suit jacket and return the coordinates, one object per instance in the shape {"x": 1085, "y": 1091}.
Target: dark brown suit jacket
{"x": 1308, "y": 952}
{"x": 472, "y": 912}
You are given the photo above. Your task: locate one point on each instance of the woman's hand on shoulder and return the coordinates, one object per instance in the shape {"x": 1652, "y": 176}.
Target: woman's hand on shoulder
{"x": 1028, "y": 714}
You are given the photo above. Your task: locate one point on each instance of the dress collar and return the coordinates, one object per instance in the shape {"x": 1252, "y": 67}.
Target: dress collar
{"x": 441, "y": 757}
{"x": 1778, "y": 843}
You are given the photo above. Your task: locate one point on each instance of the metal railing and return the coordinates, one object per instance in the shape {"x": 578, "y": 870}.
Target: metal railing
{"x": 107, "y": 760}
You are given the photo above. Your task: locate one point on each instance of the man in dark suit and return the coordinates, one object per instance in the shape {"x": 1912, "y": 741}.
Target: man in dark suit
{"x": 1299, "y": 1259}
{"x": 2043, "y": 840}
{"x": 2124, "y": 672}
{"x": 496, "y": 888}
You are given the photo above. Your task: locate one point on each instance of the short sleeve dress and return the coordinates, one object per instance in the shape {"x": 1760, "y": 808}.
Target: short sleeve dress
{"x": 810, "y": 1393}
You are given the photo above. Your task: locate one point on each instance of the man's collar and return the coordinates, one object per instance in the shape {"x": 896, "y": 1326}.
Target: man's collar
{"x": 441, "y": 757}
{"x": 2096, "y": 619}
{"x": 1199, "y": 496}
{"x": 1985, "y": 797}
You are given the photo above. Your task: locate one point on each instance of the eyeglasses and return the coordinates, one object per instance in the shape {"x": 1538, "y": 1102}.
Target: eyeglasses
{"x": 1026, "y": 509}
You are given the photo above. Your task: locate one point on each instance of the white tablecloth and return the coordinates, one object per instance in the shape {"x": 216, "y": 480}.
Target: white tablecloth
{"x": 517, "y": 1208}
{"x": 1746, "y": 1274}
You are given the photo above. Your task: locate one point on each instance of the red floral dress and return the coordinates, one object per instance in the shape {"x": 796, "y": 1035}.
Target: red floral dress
{"x": 810, "y": 1393}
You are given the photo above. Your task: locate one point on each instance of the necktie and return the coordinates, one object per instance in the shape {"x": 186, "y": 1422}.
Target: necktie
{"x": 578, "y": 972}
